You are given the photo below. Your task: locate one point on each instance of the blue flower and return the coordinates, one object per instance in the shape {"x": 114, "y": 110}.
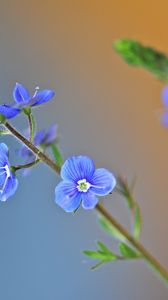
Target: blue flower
{"x": 43, "y": 138}
{"x": 8, "y": 181}
{"x": 46, "y": 137}
{"x": 23, "y": 100}
{"x": 82, "y": 183}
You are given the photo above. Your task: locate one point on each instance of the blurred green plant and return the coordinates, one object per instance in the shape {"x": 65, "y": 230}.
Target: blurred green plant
{"x": 135, "y": 54}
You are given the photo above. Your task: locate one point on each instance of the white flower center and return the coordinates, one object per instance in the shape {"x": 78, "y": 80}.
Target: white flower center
{"x": 83, "y": 185}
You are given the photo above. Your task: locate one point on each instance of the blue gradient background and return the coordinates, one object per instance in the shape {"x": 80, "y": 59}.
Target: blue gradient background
{"x": 104, "y": 109}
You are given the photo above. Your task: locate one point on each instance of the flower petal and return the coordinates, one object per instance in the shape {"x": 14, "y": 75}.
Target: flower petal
{"x": 4, "y": 149}
{"x": 89, "y": 200}
{"x": 2, "y": 178}
{"x": 39, "y": 137}
{"x": 67, "y": 196}
{"x": 42, "y": 97}
{"x": 10, "y": 188}
{"x": 165, "y": 96}
{"x": 25, "y": 152}
{"x": 20, "y": 94}
{"x": 51, "y": 135}
{"x": 103, "y": 182}
{"x": 9, "y": 111}
{"x": 78, "y": 167}
{"x": 4, "y": 153}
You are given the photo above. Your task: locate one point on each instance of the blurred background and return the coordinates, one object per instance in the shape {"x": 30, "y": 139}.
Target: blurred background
{"x": 104, "y": 109}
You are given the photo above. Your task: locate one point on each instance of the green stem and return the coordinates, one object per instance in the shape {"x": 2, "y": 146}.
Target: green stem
{"x": 31, "y": 127}
{"x": 156, "y": 266}
{"x": 25, "y": 166}
{"x": 151, "y": 261}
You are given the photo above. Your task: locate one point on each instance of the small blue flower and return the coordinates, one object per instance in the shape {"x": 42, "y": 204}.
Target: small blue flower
{"x": 46, "y": 137}
{"x": 81, "y": 183}
{"x": 43, "y": 138}
{"x": 8, "y": 181}
{"x": 23, "y": 100}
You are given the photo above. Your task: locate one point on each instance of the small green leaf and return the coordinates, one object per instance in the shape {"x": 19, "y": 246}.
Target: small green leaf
{"x": 128, "y": 252}
{"x": 96, "y": 255}
{"x": 4, "y": 132}
{"x": 99, "y": 264}
{"x": 102, "y": 255}
{"x": 137, "y": 222}
{"x": 111, "y": 230}
{"x": 57, "y": 155}
{"x": 124, "y": 190}
{"x": 103, "y": 247}
{"x": 135, "y": 54}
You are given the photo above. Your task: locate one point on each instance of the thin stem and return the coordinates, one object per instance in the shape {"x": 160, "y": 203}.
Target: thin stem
{"x": 156, "y": 266}
{"x": 30, "y": 119}
{"x": 34, "y": 149}
{"x": 25, "y": 166}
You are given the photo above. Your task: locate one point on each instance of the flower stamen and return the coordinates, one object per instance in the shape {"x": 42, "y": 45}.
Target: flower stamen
{"x": 83, "y": 185}
{"x": 36, "y": 91}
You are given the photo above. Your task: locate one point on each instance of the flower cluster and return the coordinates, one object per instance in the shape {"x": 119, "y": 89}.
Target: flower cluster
{"x": 81, "y": 183}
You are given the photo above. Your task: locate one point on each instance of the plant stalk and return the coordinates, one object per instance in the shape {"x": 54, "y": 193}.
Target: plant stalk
{"x": 151, "y": 261}
{"x": 31, "y": 127}
{"x": 34, "y": 149}
{"x": 25, "y": 166}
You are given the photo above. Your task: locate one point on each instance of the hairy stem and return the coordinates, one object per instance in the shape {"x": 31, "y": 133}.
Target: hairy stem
{"x": 152, "y": 262}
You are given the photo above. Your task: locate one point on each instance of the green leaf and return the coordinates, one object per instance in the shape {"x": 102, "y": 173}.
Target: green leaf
{"x": 57, "y": 155}
{"x": 124, "y": 190}
{"x": 104, "y": 255}
{"x": 101, "y": 254}
{"x": 96, "y": 255}
{"x": 103, "y": 247}
{"x": 4, "y": 132}
{"x": 99, "y": 264}
{"x": 128, "y": 252}
{"x": 135, "y": 54}
{"x": 137, "y": 222}
{"x": 111, "y": 230}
